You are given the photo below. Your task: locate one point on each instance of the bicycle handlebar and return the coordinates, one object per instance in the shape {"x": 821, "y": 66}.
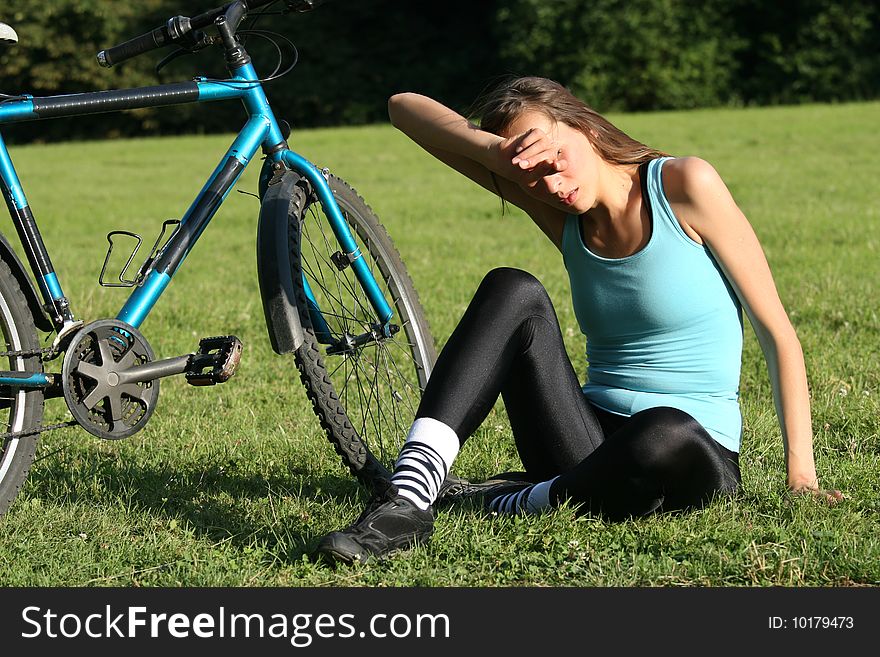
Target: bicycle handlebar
{"x": 161, "y": 36}
{"x": 178, "y": 27}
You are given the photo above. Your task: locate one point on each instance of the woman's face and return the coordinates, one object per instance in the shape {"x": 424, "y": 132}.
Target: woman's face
{"x": 573, "y": 188}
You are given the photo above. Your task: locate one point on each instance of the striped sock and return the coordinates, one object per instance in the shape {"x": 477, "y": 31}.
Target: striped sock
{"x": 528, "y": 500}
{"x": 424, "y": 461}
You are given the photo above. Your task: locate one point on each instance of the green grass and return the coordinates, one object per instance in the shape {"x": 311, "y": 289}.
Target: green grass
{"x": 233, "y": 485}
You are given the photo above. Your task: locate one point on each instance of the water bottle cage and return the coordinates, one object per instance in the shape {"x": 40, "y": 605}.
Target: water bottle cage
{"x": 145, "y": 267}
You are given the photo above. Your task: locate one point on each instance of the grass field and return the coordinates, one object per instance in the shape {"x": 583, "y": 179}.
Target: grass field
{"x": 233, "y": 485}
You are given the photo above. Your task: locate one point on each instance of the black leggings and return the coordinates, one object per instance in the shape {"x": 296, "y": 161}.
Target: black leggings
{"x": 509, "y": 343}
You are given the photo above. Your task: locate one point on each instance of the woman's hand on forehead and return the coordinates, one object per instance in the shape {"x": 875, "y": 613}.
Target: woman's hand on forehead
{"x": 530, "y": 156}
{"x": 533, "y": 148}
{"x": 533, "y": 154}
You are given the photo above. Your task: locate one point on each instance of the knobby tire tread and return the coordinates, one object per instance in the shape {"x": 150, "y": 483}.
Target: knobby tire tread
{"x": 17, "y": 470}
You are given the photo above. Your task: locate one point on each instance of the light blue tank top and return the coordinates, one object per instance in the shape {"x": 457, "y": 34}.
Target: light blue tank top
{"x": 663, "y": 326}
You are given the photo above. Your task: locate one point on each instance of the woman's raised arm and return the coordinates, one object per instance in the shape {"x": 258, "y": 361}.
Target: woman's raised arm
{"x": 485, "y": 158}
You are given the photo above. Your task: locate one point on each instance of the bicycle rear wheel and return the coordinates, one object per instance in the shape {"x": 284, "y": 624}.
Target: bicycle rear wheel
{"x": 20, "y": 408}
{"x": 365, "y": 391}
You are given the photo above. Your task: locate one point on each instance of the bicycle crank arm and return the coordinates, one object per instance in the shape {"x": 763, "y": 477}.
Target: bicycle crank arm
{"x": 151, "y": 371}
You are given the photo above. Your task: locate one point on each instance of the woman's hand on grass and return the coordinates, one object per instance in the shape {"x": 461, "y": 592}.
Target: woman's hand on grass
{"x": 829, "y": 496}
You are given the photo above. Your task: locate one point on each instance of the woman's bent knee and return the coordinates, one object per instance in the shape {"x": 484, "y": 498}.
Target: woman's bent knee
{"x": 667, "y": 416}
{"x": 515, "y": 288}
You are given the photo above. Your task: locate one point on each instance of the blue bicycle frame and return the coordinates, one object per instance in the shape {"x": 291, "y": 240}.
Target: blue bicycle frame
{"x": 260, "y": 131}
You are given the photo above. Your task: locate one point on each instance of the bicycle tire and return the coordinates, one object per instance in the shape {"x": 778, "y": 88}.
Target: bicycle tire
{"x": 366, "y": 421}
{"x": 23, "y": 408}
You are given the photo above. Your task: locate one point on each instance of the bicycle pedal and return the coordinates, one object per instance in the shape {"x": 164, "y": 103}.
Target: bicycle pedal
{"x": 215, "y": 361}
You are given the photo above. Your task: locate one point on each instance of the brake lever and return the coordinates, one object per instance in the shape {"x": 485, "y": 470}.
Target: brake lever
{"x": 188, "y": 45}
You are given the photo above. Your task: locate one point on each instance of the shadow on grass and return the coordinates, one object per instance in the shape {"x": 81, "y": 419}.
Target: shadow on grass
{"x": 221, "y": 502}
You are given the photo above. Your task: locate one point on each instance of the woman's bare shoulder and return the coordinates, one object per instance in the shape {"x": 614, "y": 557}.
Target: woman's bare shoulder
{"x": 688, "y": 179}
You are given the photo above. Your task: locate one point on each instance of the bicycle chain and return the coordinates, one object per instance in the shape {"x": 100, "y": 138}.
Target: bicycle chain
{"x": 37, "y": 430}
{"x": 46, "y": 353}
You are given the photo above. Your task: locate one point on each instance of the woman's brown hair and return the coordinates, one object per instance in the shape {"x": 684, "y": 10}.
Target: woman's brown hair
{"x": 498, "y": 108}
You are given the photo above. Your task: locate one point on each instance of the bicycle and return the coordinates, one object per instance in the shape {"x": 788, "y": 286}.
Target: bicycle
{"x": 335, "y": 292}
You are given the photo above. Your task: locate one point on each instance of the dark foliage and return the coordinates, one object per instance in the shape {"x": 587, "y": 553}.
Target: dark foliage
{"x": 353, "y": 54}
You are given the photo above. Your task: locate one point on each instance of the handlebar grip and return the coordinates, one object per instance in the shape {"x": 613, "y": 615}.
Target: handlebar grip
{"x": 174, "y": 29}
{"x": 134, "y": 47}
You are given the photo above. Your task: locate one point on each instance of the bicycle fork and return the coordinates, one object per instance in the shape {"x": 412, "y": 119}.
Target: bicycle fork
{"x": 350, "y": 254}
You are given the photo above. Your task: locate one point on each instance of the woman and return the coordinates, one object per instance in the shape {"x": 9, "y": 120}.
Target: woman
{"x": 661, "y": 263}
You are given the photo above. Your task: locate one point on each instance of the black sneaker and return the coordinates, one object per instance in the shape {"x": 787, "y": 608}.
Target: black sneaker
{"x": 389, "y": 523}
{"x": 502, "y": 489}
{"x": 484, "y": 492}
{"x": 451, "y": 487}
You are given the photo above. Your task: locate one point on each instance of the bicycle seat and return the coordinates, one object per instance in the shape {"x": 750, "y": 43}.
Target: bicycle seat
{"x": 7, "y": 34}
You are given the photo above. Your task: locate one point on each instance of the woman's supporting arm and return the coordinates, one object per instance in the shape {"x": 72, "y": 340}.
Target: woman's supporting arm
{"x": 711, "y": 212}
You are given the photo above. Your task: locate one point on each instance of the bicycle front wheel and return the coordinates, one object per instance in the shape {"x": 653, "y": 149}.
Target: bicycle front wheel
{"x": 20, "y": 408}
{"x": 365, "y": 386}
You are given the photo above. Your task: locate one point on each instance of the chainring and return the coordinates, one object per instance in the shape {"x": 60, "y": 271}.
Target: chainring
{"x": 99, "y": 403}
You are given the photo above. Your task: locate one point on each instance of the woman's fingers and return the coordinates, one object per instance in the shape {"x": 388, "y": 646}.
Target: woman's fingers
{"x": 535, "y": 149}
{"x": 830, "y": 497}
{"x": 535, "y": 154}
{"x": 529, "y": 138}
{"x": 833, "y": 496}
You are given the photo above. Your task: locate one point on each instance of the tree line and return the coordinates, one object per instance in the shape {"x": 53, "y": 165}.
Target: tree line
{"x": 621, "y": 55}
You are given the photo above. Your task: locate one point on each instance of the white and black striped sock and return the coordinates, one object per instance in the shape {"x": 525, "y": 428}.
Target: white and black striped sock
{"x": 528, "y": 500}
{"x": 424, "y": 460}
